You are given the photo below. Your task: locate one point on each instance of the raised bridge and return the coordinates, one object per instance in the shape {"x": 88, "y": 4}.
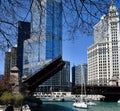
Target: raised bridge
{"x": 43, "y": 74}
{"x": 111, "y": 93}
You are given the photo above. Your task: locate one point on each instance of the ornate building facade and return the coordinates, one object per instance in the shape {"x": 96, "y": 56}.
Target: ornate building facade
{"x": 104, "y": 54}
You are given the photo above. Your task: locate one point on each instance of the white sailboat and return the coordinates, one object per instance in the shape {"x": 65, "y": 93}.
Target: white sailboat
{"x": 81, "y": 103}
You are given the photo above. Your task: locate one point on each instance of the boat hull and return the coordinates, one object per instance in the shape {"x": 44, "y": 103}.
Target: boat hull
{"x": 80, "y": 105}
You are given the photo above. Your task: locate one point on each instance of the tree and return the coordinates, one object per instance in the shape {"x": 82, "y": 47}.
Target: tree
{"x": 10, "y": 12}
{"x": 6, "y": 92}
{"x": 10, "y": 98}
{"x": 4, "y": 85}
{"x": 78, "y": 15}
{"x": 6, "y": 97}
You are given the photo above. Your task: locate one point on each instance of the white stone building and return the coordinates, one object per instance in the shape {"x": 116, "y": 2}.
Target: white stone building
{"x": 104, "y": 54}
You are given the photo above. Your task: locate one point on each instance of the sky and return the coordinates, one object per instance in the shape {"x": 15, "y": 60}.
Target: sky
{"x": 1, "y": 63}
{"x": 74, "y": 51}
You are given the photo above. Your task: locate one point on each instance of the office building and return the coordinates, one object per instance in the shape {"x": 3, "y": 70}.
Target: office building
{"x": 45, "y": 41}
{"x": 10, "y": 60}
{"x": 23, "y": 34}
{"x": 79, "y": 74}
{"x": 104, "y": 54}
{"x": 59, "y": 82}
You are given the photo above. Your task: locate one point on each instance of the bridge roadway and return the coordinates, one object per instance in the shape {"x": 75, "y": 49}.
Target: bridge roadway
{"x": 111, "y": 93}
{"x": 43, "y": 74}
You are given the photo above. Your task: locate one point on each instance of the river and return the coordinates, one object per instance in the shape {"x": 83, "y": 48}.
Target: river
{"x": 67, "y": 106}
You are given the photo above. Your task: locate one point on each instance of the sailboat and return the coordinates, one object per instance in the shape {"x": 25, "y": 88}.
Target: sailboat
{"x": 80, "y": 103}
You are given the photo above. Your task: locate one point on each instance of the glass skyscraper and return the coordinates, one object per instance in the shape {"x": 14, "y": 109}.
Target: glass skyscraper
{"x": 23, "y": 34}
{"x": 45, "y": 41}
{"x": 59, "y": 82}
{"x": 79, "y": 74}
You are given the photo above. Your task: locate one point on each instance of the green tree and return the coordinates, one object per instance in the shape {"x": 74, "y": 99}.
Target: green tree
{"x": 6, "y": 97}
{"x": 18, "y": 99}
{"x": 10, "y": 98}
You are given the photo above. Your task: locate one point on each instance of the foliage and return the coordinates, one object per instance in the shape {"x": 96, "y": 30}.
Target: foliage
{"x": 10, "y": 98}
{"x": 10, "y": 11}
{"x": 18, "y": 99}
{"x": 78, "y": 15}
{"x": 4, "y": 85}
{"x": 6, "y": 97}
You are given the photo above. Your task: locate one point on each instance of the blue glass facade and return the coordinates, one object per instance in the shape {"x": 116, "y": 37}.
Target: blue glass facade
{"x": 79, "y": 74}
{"x": 45, "y": 42}
{"x": 59, "y": 82}
{"x": 23, "y": 34}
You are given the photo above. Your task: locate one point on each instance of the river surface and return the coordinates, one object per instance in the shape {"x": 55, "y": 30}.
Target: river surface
{"x": 67, "y": 106}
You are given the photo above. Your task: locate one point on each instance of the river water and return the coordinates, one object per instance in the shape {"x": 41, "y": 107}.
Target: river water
{"x": 67, "y": 106}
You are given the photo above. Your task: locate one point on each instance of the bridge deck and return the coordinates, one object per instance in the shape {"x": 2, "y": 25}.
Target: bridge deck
{"x": 45, "y": 73}
{"x": 111, "y": 93}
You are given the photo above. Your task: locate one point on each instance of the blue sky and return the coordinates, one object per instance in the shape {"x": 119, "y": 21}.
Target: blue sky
{"x": 1, "y": 63}
{"x": 74, "y": 51}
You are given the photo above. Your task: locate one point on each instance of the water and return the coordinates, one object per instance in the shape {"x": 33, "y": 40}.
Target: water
{"x": 67, "y": 106}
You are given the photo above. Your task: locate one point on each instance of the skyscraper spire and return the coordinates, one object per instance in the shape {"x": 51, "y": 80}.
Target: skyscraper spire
{"x": 112, "y": 6}
{"x": 113, "y": 10}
